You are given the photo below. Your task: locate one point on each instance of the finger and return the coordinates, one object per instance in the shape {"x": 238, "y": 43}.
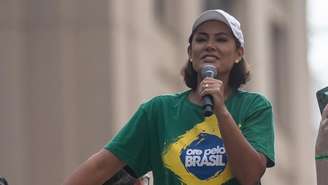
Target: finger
{"x": 205, "y": 84}
{"x": 205, "y": 81}
{"x": 210, "y": 91}
{"x": 209, "y": 79}
{"x": 210, "y": 82}
{"x": 208, "y": 86}
{"x": 324, "y": 126}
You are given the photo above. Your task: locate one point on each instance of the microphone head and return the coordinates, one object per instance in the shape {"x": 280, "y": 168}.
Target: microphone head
{"x": 208, "y": 70}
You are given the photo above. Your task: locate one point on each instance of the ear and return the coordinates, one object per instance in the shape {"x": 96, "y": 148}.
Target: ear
{"x": 240, "y": 52}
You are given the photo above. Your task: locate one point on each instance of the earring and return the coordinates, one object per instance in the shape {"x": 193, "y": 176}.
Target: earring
{"x": 237, "y": 61}
{"x": 190, "y": 59}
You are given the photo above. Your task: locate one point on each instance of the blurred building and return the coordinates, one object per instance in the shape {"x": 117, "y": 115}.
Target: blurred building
{"x": 73, "y": 71}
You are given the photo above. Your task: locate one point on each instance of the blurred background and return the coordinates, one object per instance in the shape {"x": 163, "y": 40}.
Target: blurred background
{"x": 73, "y": 71}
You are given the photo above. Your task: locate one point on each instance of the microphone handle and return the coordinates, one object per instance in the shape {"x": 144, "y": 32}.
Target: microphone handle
{"x": 208, "y": 105}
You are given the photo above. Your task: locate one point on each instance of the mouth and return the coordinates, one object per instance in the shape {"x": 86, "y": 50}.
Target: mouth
{"x": 209, "y": 57}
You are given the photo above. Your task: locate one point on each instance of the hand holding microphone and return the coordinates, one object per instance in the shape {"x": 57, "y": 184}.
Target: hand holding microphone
{"x": 208, "y": 71}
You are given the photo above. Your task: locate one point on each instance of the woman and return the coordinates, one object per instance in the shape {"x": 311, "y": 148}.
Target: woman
{"x": 170, "y": 136}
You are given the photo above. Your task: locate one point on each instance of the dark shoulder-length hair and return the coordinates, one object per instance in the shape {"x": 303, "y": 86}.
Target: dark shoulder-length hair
{"x": 239, "y": 75}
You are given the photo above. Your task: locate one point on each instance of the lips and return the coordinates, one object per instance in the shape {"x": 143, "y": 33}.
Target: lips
{"x": 210, "y": 57}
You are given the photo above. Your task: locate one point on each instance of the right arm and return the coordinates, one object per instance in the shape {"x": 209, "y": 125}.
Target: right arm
{"x": 321, "y": 151}
{"x": 96, "y": 170}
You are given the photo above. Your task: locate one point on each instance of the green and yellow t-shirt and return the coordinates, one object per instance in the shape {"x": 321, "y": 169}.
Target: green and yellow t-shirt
{"x": 169, "y": 136}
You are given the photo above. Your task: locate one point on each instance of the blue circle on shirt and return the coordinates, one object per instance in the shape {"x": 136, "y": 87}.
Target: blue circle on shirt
{"x": 205, "y": 157}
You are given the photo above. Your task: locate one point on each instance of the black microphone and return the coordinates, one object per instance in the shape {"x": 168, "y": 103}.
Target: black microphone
{"x": 208, "y": 70}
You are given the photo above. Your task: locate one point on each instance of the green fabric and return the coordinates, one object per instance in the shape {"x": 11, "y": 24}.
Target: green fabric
{"x": 321, "y": 157}
{"x": 169, "y": 136}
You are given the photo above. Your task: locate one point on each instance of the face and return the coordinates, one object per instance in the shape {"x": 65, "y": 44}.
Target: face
{"x": 213, "y": 43}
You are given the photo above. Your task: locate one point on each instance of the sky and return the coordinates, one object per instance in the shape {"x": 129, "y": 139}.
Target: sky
{"x": 317, "y": 17}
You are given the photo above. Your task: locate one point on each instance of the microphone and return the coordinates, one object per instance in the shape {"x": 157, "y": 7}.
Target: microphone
{"x": 208, "y": 70}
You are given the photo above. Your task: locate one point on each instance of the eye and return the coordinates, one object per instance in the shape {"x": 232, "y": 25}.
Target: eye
{"x": 221, "y": 39}
{"x": 200, "y": 39}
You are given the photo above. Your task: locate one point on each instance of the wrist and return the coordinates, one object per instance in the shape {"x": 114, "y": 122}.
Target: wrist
{"x": 320, "y": 150}
{"x": 321, "y": 145}
{"x": 222, "y": 112}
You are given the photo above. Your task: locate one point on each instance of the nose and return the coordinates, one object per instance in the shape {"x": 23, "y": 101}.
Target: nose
{"x": 210, "y": 45}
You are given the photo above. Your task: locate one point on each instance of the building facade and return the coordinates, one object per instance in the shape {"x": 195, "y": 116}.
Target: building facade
{"x": 73, "y": 71}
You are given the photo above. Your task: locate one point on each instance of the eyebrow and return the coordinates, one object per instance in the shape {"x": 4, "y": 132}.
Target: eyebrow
{"x": 216, "y": 34}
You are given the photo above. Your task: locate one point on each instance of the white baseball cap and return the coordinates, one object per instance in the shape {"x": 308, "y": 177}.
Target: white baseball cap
{"x": 222, "y": 16}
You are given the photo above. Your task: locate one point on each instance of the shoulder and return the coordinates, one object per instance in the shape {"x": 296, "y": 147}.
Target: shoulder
{"x": 165, "y": 99}
{"x": 252, "y": 98}
{"x": 246, "y": 103}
